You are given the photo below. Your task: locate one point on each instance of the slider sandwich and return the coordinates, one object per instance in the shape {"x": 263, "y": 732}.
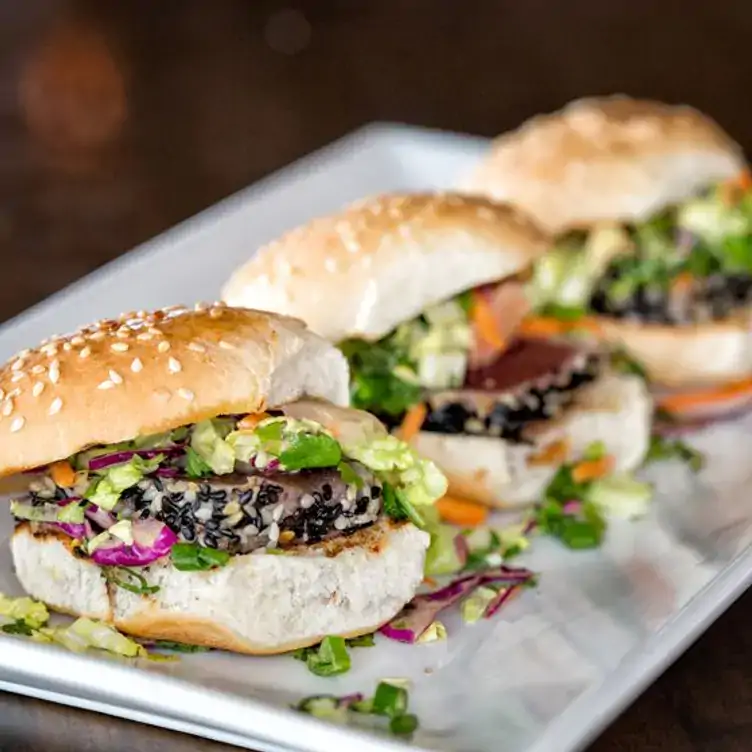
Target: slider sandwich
{"x": 192, "y": 475}
{"x": 425, "y": 294}
{"x": 652, "y": 207}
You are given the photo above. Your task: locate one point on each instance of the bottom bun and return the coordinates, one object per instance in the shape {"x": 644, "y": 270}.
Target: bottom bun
{"x": 616, "y": 410}
{"x": 678, "y": 356}
{"x": 258, "y": 604}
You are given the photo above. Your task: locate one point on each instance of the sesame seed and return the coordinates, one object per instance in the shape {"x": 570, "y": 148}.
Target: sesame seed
{"x": 106, "y": 385}
{"x": 77, "y": 341}
{"x": 85, "y": 352}
{"x": 54, "y": 372}
{"x": 273, "y": 532}
{"x": 163, "y": 346}
{"x": 200, "y": 307}
{"x": 97, "y": 336}
{"x": 226, "y": 345}
{"x": 196, "y": 347}
{"x": 115, "y": 377}
{"x": 144, "y": 336}
{"x": 137, "y": 366}
{"x": 57, "y": 403}
{"x": 37, "y": 389}
{"x": 17, "y": 365}
{"x": 7, "y": 407}
{"x": 38, "y": 369}
{"x": 119, "y": 347}
{"x": 186, "y": 394}
{"x": 67, "y": 347}
{"x": 174, "y": 366}
{"x": 2, "y": 394}
{"x": 24, "y": 353}
{"x": 124, "y": 332}
{"x": 49, "y": 350}
{"x": 17, "y": 376}
{"x": 15, "y": 392}
{"x": 215, "y": 312}
{"x": 17, "y": 424}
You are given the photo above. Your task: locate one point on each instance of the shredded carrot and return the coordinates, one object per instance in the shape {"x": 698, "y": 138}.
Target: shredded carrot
{"x": 592, "y": 469}
{"x": 286, "y": 536}
{"x": 731, "y": 189}
{"x": 554, "y": 453}
{"x": 485, "y": 322}
{"x": 430, "y": 582}
{"x": 63, "y": 474}
{"x": 683, "y": 282}
{"x": 412, "y": 422}
{"x": 679, "y": 403}
{"x": 461, "y": 511}
{"x": 543, "y": 326}
{"x": 250, "y": 421}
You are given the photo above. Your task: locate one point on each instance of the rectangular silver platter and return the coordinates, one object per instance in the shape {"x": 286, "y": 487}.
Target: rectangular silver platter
{"x": 549, "y": 671}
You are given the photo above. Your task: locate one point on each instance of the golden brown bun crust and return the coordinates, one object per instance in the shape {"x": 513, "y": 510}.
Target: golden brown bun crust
{"x": 609, "y": 158}
{"x": 256, "y": 604}
{"x": 382, "y": 261}
{"x": 684, "y": 356}
{"x": 147, "y": 373}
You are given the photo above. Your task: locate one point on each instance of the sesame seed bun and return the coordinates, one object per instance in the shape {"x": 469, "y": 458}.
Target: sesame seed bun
{"x": 382, "y": 261}
{"x": 615, "y": 409}
{"x": 145, "y": 373}
{"x": 257, "y": 604}
{"x": 601, "y": 159}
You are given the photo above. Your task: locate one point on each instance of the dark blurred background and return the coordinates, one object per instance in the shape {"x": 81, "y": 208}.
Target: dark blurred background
{"x": 120, "y": 118}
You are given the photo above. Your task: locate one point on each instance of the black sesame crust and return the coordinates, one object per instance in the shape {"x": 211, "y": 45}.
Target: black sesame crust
{"x": 506, "y": 414}
{"x": 712, "y": 298}
{"x": 242, "y": 513}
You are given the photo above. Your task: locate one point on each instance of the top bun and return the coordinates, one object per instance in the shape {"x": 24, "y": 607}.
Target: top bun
{"x": 145, "y": 373}
{"x": 382, "y": 261}
{"x": 610, "y": 158}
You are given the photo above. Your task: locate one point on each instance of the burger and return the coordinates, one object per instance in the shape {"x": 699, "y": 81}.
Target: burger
{"x": 192, "y": 475}
{"x": 424, "y": 294}
{"x": 652, "y": 208}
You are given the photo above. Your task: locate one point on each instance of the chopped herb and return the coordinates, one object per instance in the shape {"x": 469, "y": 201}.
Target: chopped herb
{"x": 190, "y": 557}
{"x": 563, "y": 312}
{"x": 178, "y": 647}
{"x": 18, "y": 627}
{"x": 389, "y": 700}
{"x": 130, "y": 580}
{"x": 465, "y": 301}
{"x": 398, "y": 507}
{"x": 307, "y": 450}
{"x": 662, "y": 449}
{"x": 624, "y": 363}
{"x": 195, "y": 466}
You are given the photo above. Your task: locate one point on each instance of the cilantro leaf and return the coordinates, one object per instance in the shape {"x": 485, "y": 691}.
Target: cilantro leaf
{"x": 195, "y": 466}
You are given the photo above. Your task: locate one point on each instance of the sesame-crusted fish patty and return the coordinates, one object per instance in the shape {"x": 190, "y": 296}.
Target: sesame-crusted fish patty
{"x": 534, "y": 380}
{"x": 240, "y": 513}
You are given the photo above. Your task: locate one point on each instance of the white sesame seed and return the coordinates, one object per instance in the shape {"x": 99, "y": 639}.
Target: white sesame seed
{"x": 163, "y": 346}
{"x": 119, "y": 347}
{"x": 17, "y": 424}
{"x": 17, "y": 376}
{"x": 137, "y": 366}
{"x": 144, "y": 336}
{"x": 57, "y": 403}
{"x": 215, "y": 312}
{"x": 2, "y": 394}
{"x": 85, "y": 352}
{"x": 38, "y": 369}
{"x": 54, "y": 372}
{"x": 97, "y": 336}
{"x": 24, "y": 353}
{"x": 7, "y": 407}
{"x": 106, "y": 385}
{"x": 226, "y": 345}
{"x": 15, "y": 392}
{"x": 273, "y": 532}
{"x": 196, "y": 347}
{"x": 200, "y": 307}
{"x": 115, "y": 377}
{"x": 124, "y": 332}
{"x": 37, "y": 389}
{"x": 67, "y": 347}
{"x": 186, "y": 394}
{"x": 173, "y": 365}
{"x": 77, "y": 341}
{"x": 277, "y": 513}
{"x": 49, "y": 350}
{"x": 17, "y": 365}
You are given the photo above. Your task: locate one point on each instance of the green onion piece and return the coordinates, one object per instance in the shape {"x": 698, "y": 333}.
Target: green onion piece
{"x": 330, "y": 659}
{"x": 403, "y": 725}
{"x": 390, "y": 700}
{"x": 18, "y": 627}
{"x": 179, "y": 647}
{"x": 133, "y": 581}
{"x": 190, "y": 557}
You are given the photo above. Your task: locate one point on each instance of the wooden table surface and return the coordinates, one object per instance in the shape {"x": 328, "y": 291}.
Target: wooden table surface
{"x": 118, "y": 119}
